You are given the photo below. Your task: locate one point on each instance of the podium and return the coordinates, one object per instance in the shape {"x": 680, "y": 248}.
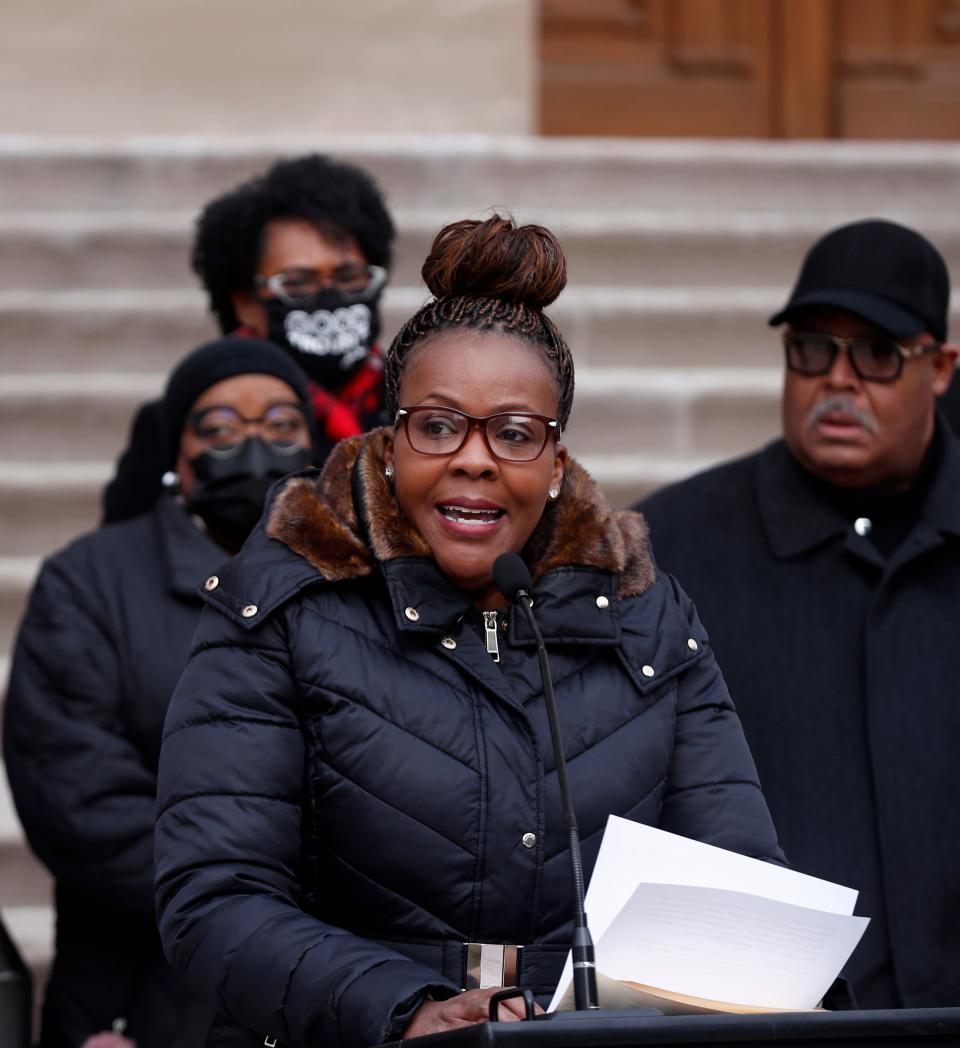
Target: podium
{"x": 895, "y": 1028}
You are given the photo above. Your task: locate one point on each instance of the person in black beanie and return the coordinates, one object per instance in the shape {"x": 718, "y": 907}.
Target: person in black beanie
{"x": 222, "y": 480}
{"x": 105, "y": 637}
{"x": 298, "y": 256}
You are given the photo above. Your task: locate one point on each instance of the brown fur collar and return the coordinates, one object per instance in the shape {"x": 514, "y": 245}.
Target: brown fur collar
{"x": 315, "y": 517}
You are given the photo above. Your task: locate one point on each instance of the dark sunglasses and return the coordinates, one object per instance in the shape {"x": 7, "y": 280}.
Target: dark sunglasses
{"x": 879, "y": 359}
{"x": 513, "y": 436}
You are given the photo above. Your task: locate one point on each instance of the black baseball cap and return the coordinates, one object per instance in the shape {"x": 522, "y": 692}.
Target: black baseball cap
{"x": 884, "y": 272}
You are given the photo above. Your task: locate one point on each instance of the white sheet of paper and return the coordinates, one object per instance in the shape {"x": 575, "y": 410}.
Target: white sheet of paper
{"x": 728, "y": 946}
{"x": 632, "y": 854}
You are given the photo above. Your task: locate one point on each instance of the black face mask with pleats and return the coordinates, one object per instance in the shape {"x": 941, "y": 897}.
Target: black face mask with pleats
{"x": 330, "y": 334}
{"x": 230, "y": 490}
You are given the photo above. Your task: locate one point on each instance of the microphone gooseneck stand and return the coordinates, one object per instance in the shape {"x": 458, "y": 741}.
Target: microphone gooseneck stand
{"x": 514, "y": 582}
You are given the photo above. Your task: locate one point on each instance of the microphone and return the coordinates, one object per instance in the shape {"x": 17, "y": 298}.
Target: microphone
{"x": 513, "y": 580}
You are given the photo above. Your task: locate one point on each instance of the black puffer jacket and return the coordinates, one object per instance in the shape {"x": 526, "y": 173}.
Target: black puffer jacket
{"x": 350, "y": 786}
{"x": 104, "y": 640}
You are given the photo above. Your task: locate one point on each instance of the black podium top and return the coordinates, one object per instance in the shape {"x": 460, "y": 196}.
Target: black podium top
{"x": 895, "y": 1028}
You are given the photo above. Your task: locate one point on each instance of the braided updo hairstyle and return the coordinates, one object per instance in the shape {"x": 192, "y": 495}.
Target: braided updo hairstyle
{"x": 492, "y": 276}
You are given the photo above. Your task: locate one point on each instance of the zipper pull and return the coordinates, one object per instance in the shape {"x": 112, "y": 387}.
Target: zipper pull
{"x": 490, "y": 629}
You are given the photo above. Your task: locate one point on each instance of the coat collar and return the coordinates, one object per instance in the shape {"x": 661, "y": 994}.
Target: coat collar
{"x": 798, "y": 516}
{"x": 345, "y": 524}
{"x": 189, "y": 553}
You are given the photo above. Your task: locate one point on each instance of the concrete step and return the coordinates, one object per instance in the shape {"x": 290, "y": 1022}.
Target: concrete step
{"x": 86, "y": 417}
{"x": 642, "y": 248}
{"x": 625, "y": 477}
{"x": 42, "y": 509}
{"x": 26, "y": 881}
{"x": 149, "y": 331}
{"x": 48, "y": 332}
{"x": 16, "y": 578}
{"x": 825, "y": 178}
{"x": 67, "y": 417}
{"x": 140, "y": 331}
{"x": 662, "y": 412}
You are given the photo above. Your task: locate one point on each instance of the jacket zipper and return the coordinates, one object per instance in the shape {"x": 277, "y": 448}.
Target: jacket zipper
{"x": 490, "y": 629}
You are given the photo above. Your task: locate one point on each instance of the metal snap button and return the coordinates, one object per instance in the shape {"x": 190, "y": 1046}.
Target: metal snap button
{"x": 529, "y": 840}
{"x": 412, "y": 614}
{"x": 211, "y": 583}
{"x": 449, "y": 643}
{"x": 863, "y": 526}
{"x": 647, "y": 671}
{"x": 693, "y": 645}
{"x": 249, "y": 611}
{"x": 602, "y": 602}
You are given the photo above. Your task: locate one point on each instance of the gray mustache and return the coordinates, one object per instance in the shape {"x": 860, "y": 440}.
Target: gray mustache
{"x": 847, "y": 406}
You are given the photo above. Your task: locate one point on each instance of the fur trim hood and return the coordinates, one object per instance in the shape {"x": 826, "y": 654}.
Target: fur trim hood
{"x": 316, "y": 516}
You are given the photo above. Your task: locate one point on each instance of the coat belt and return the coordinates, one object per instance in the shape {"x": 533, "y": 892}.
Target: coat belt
{"x": 539, "y": 966}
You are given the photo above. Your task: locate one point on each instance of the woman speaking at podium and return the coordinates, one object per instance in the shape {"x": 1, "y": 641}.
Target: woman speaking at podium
{"x": 357, "y": 777}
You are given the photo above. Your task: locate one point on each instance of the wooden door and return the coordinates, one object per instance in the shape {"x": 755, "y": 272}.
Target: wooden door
{"x": 751, "y": 68}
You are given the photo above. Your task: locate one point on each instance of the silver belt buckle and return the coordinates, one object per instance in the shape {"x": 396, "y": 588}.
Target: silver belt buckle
{"x": 491, "y": 964}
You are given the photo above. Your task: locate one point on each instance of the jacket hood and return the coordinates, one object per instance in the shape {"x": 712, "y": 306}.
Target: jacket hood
{"x": 344, "y": 521}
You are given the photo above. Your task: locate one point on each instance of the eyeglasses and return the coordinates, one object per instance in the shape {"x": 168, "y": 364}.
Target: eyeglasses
{"x": 224, "y": 430}
{"x": 873, "y": 359}
{"x": 513, "y": 436}
{"x": 363, "y": 282}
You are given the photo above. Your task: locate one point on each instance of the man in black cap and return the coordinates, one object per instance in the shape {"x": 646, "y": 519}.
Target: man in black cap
{"x": 826, "y": 568}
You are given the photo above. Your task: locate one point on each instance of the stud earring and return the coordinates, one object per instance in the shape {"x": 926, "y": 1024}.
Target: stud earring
{"x": 554, "y": 493}
{"x": 388, "y": 472}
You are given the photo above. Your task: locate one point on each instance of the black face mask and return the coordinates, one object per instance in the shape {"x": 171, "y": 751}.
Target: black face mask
{"x": 230, "y": 491}
{"x": 329, "y": 334}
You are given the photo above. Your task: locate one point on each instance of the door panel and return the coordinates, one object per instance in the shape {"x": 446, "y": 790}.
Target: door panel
{"x": 898, "y": 74}
{"x": 753, "y": 68}
{"x": 655, "y": 67}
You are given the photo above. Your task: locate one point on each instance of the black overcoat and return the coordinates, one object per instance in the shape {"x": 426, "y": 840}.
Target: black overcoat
{"x": 351, "y": 787}
{"x": 105, "y": 637}
{"x": 844, "y": 667}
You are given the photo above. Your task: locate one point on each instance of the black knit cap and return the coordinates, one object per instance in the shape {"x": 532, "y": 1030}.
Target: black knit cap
{"x": 218, "y": 360}
{"x": 884, "y": 272}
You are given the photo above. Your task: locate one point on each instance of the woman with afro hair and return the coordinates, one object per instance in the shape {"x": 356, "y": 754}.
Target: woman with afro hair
{"x": 299, "y": 256}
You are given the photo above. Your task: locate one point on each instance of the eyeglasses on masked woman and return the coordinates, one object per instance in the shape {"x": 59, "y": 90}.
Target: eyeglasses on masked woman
{"x": 878, "y": 359}
{"x": 224, "y": 430}
{"x": 511, "y": 436}
{"x": 361, "y": 282}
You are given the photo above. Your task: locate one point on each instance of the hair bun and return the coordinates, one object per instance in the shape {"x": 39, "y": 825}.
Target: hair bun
{"x": 495, "y": 258}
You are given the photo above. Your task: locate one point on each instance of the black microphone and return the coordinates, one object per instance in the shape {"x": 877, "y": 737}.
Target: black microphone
{"x": 513, "y": 580}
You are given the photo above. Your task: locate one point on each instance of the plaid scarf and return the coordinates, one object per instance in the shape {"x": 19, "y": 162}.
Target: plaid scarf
{"x": 356, "y": 407}
{"x": 352, "y": 410}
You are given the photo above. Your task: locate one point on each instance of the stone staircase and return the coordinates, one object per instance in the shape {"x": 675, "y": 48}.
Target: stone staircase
{"x": 677, "y": 253}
